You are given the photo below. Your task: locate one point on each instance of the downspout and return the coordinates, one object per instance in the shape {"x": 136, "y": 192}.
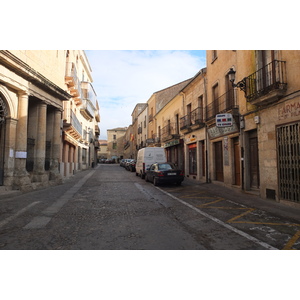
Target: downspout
{"x": 184, "y": 145}
{"x": 207, "y": 156}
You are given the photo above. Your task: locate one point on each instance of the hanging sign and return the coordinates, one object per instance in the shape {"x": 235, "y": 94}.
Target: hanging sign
{"x": 224, "y": 120}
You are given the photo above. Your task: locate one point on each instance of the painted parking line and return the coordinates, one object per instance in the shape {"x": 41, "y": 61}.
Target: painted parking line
{"x": 292, "y": 241}
{"x": 231, "y": 228}
{"x": 236, "y": 219}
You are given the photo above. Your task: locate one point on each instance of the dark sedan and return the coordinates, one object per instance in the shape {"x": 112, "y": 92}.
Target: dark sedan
{"x": 164, "y": 173}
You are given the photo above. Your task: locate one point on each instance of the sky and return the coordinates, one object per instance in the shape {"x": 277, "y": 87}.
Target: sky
{"x": 123, "y": 78}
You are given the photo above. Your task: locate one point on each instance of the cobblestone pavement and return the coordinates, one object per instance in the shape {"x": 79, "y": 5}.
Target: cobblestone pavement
{"x": 110, "y": 208}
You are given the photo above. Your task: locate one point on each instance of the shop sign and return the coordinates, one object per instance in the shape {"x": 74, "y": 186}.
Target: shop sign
{"x": 224, "y": 120}
{"x": 289, "y": 110}
{"x": 172, "y": 143}
{"x": 215, "y": 131}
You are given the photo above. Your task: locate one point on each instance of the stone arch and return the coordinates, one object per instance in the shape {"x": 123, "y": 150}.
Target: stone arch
{"x": 6, "y": 101}
{"x": 3, "y": 109}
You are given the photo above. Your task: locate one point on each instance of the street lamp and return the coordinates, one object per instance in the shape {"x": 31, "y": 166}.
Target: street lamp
{"x": 241, "y": 84}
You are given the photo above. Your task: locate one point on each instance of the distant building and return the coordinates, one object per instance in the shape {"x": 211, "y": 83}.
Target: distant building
{"x": 103, "y": 150}
{"x": 115, "y": 143}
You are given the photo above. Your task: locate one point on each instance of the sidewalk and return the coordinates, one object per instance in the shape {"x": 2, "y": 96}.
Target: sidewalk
{"x": 285, "y": 210}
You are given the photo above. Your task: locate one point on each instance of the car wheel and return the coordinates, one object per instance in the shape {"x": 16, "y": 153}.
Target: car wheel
{"x": 146, "y": 178}
{"x": 178, "y": 183}
{"x": 155, "y": 181}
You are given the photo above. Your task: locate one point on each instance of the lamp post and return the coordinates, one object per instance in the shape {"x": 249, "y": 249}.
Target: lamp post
{"x": 241, "y": 84}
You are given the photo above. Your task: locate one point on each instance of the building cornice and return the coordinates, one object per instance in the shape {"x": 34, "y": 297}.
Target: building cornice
{"x": 19, "y": 67}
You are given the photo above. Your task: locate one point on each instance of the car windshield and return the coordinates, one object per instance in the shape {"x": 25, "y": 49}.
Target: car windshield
{"x": 165, "y": 167}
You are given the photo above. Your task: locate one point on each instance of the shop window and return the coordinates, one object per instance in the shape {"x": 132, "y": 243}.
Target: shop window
{"x": 193, "y": 159}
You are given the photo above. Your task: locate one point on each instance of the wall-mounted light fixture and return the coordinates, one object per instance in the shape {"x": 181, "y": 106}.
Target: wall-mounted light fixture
{"x": 241, "y": 84}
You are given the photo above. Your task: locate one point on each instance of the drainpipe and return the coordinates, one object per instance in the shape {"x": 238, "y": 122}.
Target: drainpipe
{"x": 184, "y": 145}
{"x": 242, "y": 126}
{"x": 207, "y": 156}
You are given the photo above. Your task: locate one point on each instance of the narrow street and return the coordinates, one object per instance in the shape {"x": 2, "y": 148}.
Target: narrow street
{"x": 109, "y": 208}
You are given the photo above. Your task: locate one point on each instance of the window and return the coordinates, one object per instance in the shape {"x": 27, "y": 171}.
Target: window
{"x": 189, "y": 109}
{"x": 84, "y": 155}
{"x": 177, "y": 123}
{"x": 114, "y": 137}
{"x": 215, "y": 93}
{"x": 200, "y": 108}
{"x": 114, "y": 146}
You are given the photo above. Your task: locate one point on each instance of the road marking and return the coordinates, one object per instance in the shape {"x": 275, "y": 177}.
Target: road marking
{"x": 49, "y": 212}
{"x": 292, "y": 241}
{"x": 7, "y": 220}
{"x": 241, "y": 215}
{"x": 209, "y": 203}
{"x": 241, "y": 233}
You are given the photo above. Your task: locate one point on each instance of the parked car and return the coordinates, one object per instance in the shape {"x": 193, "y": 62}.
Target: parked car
{"x": 164, "y": 173}
{"x": 123, "y": 162}
{"x": 148, "y": 156}
{"x": 131, "y": 165}
{"x": 127, "y": 164}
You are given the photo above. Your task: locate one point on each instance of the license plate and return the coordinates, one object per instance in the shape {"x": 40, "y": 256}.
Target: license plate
{"x": 171, "y": 173}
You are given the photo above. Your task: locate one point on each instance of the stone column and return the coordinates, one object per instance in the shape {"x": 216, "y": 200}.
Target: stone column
{"x": 56, "y": 146}
{"x": 66, "y": 159}
{"x": 10, "y": 147}
{"x": 40, "y": 150}
{"x": 21, "y": 179}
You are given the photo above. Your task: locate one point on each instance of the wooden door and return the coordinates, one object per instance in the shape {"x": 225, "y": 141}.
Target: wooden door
{"x": 203, "y": 158}
{"x": 237, "y": 162}
{"x": 254, "y": 162}
{"x": 219, "y": 161}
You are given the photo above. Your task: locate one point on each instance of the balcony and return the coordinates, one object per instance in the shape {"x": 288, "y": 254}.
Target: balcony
{"x": 267, "y": 85}
{"x": 223, "y": 104}
{"x": 72, "y": 125}
{"x": 71, "y": 74}
{"x": 87, "y": 110}
{"x": 192, "y": 121}
{"x": 169, "y": 132}
{"x": 88, "y": 105}
{"x": 153, "y": 141}
{"x": 97, "y": 130}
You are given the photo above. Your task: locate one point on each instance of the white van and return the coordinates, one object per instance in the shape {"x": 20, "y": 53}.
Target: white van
{"x": 148, "y": 156}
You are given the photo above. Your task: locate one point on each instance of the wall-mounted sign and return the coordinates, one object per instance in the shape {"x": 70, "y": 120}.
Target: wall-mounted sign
{"x": 172, "y": 143}
{"x": 215, "y": 131}
{"x": 224, "y": 120}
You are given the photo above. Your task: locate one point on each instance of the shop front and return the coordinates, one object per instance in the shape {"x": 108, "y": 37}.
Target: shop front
{"x": 175, "y": 153}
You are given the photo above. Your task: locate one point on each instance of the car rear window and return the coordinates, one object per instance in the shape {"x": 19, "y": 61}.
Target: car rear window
{"x": 165, "y": 167}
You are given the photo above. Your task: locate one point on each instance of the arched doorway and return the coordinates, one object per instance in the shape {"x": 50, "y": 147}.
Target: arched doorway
{"x": 3, "y": 114}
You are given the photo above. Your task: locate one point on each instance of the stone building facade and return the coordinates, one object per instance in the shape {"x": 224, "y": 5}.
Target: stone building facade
{"x": 115, "y": 143}
{"x": 80, "y": 116}
{"x": 31, "y": 104}
{"x": 259, "y": 151}
{"x": 33, "y": 91}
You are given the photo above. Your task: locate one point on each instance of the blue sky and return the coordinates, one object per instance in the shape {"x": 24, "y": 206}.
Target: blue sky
{"x": 123, "y": 78}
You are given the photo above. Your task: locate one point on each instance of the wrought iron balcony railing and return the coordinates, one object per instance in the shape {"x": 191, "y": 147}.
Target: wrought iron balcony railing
{"x": 170, "y": 131}
{"x": 195, "y": 118}
{"x": 271, "y": 77}
{"x": 88, "y": 93}
{"x": 222, "y": 104}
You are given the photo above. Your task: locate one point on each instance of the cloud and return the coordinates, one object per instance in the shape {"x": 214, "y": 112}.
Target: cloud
{"x": 124, "y": 78}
